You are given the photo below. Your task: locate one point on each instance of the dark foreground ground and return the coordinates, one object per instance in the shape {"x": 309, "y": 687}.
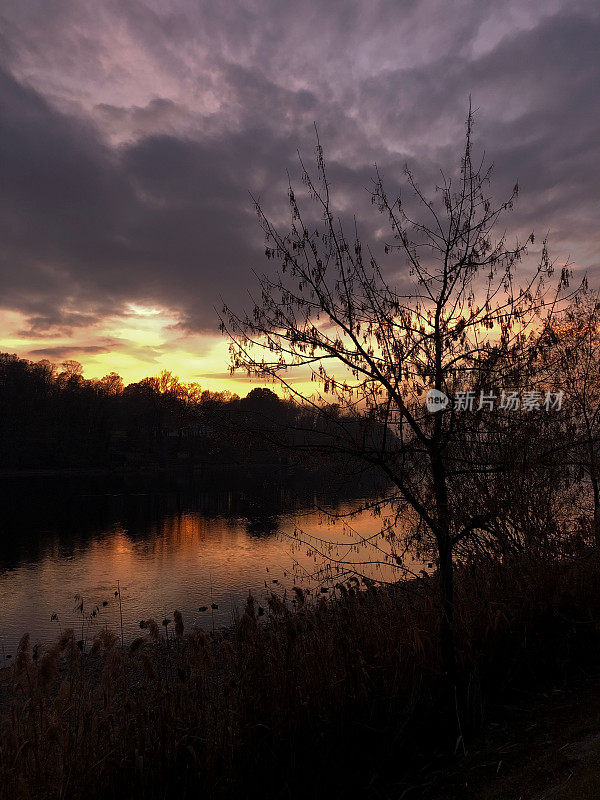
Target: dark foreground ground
{"x": 542, "y": 747}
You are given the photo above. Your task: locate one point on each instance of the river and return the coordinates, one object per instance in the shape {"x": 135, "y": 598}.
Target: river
{"x": 191, "y": 542}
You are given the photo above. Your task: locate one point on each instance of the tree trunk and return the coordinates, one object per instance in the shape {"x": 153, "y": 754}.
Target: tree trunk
{"x": 444, "y": 543}
{"x": 447, "y": 615}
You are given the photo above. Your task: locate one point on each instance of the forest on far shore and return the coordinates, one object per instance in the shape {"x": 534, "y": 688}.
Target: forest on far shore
{"x": 51, "y": 417}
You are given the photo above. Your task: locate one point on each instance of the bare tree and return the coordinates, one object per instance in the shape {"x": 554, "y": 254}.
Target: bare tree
{"x": 445, "y": 313}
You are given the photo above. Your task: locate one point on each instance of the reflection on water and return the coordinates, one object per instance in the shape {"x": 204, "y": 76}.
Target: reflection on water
{"x": 179, "y": 543}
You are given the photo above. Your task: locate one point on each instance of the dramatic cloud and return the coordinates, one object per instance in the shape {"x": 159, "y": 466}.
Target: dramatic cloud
{"x": 132, "y": 132}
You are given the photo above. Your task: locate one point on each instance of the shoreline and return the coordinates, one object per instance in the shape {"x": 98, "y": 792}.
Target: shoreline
{"x": 93, "y": 472}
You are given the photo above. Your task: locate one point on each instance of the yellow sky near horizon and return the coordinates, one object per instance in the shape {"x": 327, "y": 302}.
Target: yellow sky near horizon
{"x": 137, "y": 343}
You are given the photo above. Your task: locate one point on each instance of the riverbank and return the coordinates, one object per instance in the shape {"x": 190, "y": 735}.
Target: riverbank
{"x": 199, "y": 468}
{"x": 326, "y": 700}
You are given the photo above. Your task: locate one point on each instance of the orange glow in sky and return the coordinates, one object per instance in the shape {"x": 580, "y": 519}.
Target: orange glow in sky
{"x": 140, "y": 342}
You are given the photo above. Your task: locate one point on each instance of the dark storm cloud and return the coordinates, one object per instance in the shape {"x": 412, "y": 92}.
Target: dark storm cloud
{"x": 130, "y": 135}
{"x": 538, "y": 117}
{"x": 86, "y": 224}
{"x": 61, "y": 195}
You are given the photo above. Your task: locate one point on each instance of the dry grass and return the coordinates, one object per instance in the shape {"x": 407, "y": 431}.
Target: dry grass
{"x": 311, "y": 702}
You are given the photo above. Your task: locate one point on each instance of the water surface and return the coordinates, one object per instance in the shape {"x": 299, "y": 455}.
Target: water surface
{"x": 168, "y": 542}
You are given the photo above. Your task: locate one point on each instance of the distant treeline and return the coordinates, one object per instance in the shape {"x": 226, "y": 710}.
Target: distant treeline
{"x": 54, "y": 418}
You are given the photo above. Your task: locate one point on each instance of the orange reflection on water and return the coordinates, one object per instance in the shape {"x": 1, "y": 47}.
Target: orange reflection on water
{"x": 179, "y": 560}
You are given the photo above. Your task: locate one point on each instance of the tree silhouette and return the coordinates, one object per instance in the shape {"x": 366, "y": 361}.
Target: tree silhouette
{"x": 446, "y": 312}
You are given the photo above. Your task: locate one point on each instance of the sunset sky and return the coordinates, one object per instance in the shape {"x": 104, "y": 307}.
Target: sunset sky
{"x": 132, "y": 131}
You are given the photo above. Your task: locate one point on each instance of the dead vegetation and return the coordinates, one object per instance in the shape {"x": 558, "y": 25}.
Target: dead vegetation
{"x": 329, "y": 695}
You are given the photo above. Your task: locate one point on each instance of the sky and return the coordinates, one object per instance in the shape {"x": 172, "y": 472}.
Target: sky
{"x": 132, "y": 133}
